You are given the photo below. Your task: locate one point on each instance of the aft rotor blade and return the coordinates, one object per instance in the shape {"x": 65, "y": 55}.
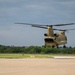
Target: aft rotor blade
{"x": 56, "y": 29}
{"x": 69, "y": 29}
{"x": 64, "y": 29}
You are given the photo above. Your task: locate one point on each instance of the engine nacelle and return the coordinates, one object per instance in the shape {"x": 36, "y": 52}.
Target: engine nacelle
{"x": 56, "y": 34}
{"x": 45, "y": 34}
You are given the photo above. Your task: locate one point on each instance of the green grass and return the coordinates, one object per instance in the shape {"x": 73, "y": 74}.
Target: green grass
{"x": 13, "y": 56}
{"x": 18, "y": 56}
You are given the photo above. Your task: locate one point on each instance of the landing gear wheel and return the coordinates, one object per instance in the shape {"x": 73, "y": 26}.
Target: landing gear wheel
{"x": 57, "y": 46}
{"x": 64, "y": 46}
{"x": 53, "y": 46}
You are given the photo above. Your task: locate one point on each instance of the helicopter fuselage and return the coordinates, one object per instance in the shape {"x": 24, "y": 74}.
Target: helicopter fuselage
{"x": 56, "y": 39}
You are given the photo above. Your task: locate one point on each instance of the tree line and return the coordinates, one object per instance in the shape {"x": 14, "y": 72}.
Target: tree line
{"x": 36, "y": 50}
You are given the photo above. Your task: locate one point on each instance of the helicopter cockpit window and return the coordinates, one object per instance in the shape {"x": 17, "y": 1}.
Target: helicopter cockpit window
{"x": 49, "y": 40}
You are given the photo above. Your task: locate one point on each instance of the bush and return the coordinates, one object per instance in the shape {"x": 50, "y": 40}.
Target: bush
{"x": 36, "y": 50}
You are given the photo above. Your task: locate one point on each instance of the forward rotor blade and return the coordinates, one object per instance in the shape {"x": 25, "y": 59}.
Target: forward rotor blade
{"x": 63, "y": 24}
{"x": 33, "y": 25}
{"x": 29, "y": 24}
{"x": 39, "y": 27}
{"x": 46, "y": 25}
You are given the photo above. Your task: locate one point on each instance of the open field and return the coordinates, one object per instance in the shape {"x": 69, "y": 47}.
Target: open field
{"x": 18, "y": 56}
{"x": 36, "y": 66}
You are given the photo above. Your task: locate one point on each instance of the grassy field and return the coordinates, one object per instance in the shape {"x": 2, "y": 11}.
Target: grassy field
{"x": 17, "y": 56}
{"x": 25, "y": 56}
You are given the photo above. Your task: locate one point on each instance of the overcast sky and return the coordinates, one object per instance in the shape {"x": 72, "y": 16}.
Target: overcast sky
{"x": 34, "y": 11}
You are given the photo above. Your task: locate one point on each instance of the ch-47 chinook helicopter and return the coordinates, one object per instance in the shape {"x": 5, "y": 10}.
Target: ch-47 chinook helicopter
{"x": 53, "y": 39}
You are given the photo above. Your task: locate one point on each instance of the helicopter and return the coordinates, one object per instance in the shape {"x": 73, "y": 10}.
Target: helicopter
{"x": 53, "y": 39}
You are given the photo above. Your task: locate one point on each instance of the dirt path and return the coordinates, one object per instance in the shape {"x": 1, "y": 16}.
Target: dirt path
{"x": 37, "y": 66}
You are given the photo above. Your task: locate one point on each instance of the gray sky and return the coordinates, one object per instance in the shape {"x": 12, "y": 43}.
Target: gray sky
{"x": 34, "y": 11}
